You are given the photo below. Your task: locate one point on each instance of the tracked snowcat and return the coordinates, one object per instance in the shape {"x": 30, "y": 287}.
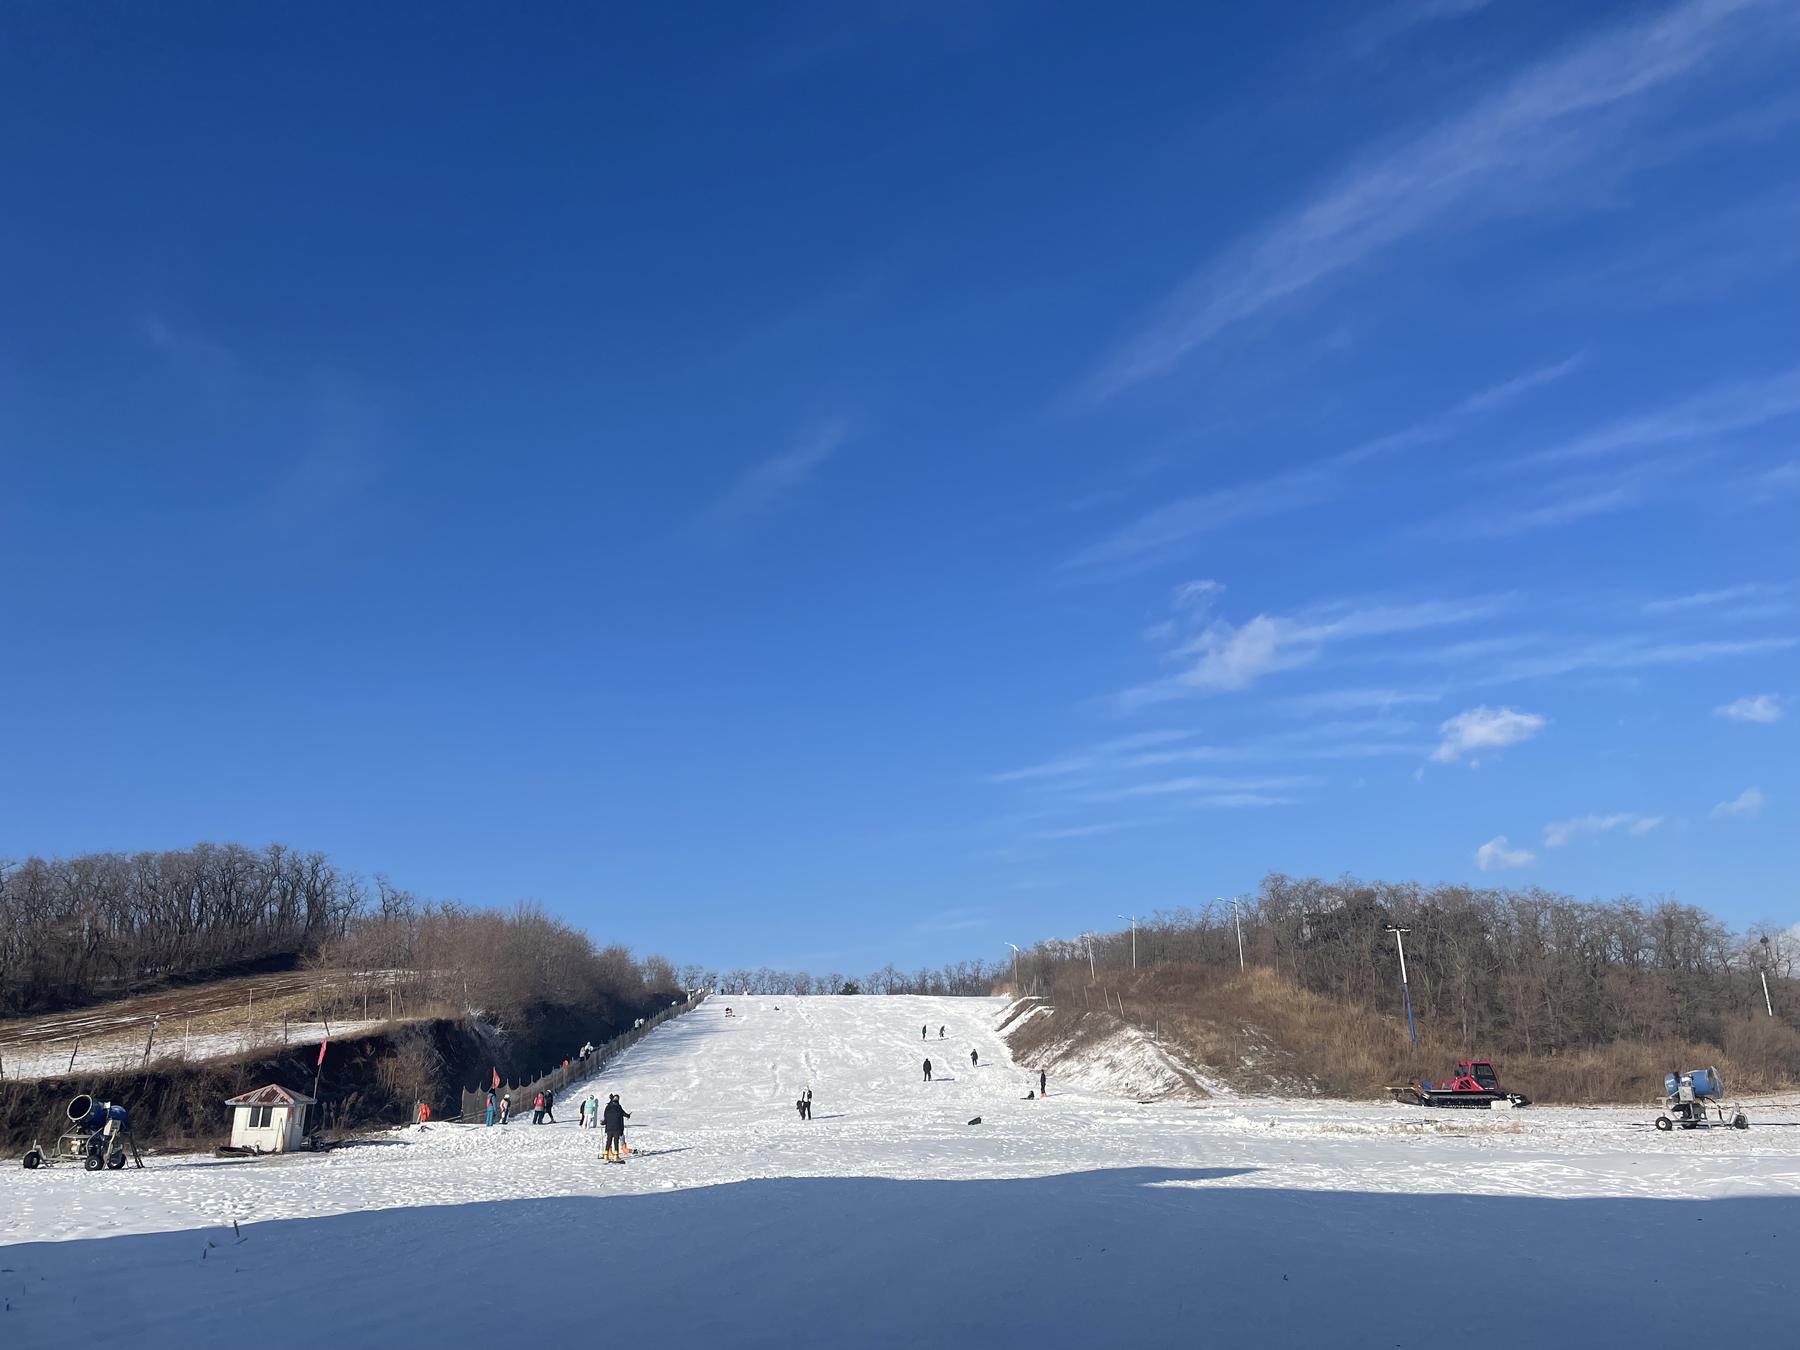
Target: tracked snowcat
{"x": 1475, "y": 1086}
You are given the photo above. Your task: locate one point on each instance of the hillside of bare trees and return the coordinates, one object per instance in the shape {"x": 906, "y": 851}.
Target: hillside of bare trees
{"x": 1581, "y": 1000}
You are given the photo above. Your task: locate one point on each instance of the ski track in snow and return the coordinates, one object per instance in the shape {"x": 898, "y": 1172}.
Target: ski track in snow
{"x": 1056, "y": 1188}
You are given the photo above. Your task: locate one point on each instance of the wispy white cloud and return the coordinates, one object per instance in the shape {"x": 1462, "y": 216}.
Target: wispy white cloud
{"x": 1753, "y": 708}
{"x": 1092, "y": 830}
{"x": 1562, "y": 833}
{"x": 1351, "y": 700}
{"x": 1631, "y": 653}
{"x": 199, "y": 354}
{"x": 1560, "y": 117}
{"x": 1223, "y": 656}
{"x": 1213, "y": 790}
{"x": 1496, "y": 855}
{"x": 1697, "y": 420}
{"x": 1673, "y": 604}
{"x": 1479, "y": 729}
{"x": 1164, "y": 529}
{"x": 1102, "y": 754}
{"x": 764, "y": 485}
{"x": 1748, "y": 803}
{"x": 1391, "y": 23}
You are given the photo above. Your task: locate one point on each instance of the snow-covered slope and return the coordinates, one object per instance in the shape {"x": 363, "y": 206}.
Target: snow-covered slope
{"x": 888, "y": 1220}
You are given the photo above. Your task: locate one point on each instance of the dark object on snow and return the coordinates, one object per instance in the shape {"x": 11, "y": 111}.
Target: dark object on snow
{"x": 974, "y": 1057}
{"x": 1031, "y": 1096}
{"x": 927, "y": 1071}
{"x": 976, "y": 1121}
{"x": 1475, "y": 1086}
{"x": 1043, "y": 1083}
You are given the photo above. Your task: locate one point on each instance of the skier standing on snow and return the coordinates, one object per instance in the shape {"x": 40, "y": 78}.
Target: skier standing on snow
{"x": 974, "y": 1058}
{"x": 490, "y": 1106}
{"x": 615, "y": 1117}
{"x": 505, "y": 1107}
{"x": 1043, "y": 1078}
{"x": 927, "y": 1071}
{"x": 940, "y": 1033}
{"x": 537, "y": 1109}
{"x": 582, "y": 1124}
{"x": 806, "y": 1097}
{"x": 549, "y": 1102}
{"x": 593, "y": 1111}
{"x": 922, "y": 1031}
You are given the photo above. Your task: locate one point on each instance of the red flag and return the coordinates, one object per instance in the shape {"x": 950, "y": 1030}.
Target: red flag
{"x": 496, "y": 1078}
{"x": 322, "y": 1045}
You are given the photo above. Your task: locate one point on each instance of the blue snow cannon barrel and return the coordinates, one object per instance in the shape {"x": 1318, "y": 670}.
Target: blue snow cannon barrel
{"x": 92, "y": 1114}
{"x": 1706, "y": 1083}
{"x": 1671, "y": 1084}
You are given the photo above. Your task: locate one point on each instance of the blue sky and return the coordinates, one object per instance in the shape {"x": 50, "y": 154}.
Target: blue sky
{"x": 827, "y": 484}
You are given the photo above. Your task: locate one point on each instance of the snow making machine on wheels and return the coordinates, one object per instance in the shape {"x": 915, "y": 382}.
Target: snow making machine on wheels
{"x": 97, "y": 1136}
{"x": 1474, "y": 1086}
{"x": 1687, "y": 1097}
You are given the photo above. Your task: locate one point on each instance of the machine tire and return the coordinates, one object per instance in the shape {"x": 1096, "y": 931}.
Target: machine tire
{"x": 1740, "y": 1121}
{"x": 1664, "y": 1123}
{"x": 115, "y": 1161}
{"x": 93, "y": 1162}
{"x": 33, "y": 1160}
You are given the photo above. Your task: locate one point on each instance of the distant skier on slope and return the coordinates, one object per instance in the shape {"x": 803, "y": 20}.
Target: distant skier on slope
{"x": 581, "y": 1107}
{"x": 614, "y": 1116}
{"x": 806, "y": 1097}
{"x": 927, "y": 1071}
{"x": 940, "y": 1033}
{"x": 549, "y": 1103}
{"x": 923, "y": 1031}
{"x": 1043, "y": 1079}
{"x": 974, "y": 1058}
{"x": 505, "y": 1107}
{"x": 593, "y": 1111}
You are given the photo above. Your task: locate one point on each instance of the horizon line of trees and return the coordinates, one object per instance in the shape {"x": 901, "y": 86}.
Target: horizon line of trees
{"x": 1526, "y": 969}
{"x": 954, "y": 979}
{"x": 78, "y": 929}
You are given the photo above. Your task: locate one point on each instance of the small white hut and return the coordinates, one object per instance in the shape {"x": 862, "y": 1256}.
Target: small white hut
{"x": 269, "y": 1120}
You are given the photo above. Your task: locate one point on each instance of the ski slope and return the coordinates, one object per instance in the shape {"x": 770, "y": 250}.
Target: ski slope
{"x": 889, "y": 1220}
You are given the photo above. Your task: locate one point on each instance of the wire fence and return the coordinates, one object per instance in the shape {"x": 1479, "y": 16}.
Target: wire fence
{"x": 474, "y": 1100}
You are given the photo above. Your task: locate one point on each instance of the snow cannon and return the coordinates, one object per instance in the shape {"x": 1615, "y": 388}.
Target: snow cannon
{"x": 1693, "y": 1085}
{"x": 90, "y": 1113}
{"x": 1686, "y": 1096}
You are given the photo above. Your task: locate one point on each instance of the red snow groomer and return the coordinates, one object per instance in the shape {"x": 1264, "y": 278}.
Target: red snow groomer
{"x": 1475, "y": 1086}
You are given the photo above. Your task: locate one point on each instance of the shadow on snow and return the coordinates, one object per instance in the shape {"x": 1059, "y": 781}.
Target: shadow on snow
{"x": 1146, "y": 1256}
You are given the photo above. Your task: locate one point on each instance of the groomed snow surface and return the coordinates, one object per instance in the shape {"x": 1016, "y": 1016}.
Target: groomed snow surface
{"x": 1087, "y": 1219}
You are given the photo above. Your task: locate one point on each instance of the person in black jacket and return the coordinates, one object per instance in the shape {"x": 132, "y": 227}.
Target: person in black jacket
{"x": 927, "y": 1071}
{"x": 549, "y": 1102}
{"x": 1043, "y": 1081}
{"x": 614, "y": 1116}
{"x": 974, "y": 1058}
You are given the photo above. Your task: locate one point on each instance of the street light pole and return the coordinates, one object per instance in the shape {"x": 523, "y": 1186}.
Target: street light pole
{"x": 1018, "y": 989}
{"x": 1132, "y": 920}
{"x": 1236, "y": 914}
{"x": 1405, "y": 988}
{"x": 1089, "y": 939}
{"x": 1764, "y": 972}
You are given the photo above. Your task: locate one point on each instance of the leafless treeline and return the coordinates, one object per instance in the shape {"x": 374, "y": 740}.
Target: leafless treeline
{"x": 75, "y": 928}
{"x": 499, "y": 962}
{"x": 959, "y": 977}
{"x": 1530, "y": 970}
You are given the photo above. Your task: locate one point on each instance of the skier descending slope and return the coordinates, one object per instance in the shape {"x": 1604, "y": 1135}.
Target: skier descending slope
{"x": 614, "y": 1116}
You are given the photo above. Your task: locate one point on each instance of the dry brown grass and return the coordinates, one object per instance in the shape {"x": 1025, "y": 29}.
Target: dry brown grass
{"x": 1260, "y": 1032}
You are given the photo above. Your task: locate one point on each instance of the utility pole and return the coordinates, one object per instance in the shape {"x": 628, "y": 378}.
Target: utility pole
{"x": 1237, "y": 914}
{"x": 1764, "y": 972}
{"x": 1132, "y": 920}
{"x": 1018, "y": 989}
{"x": 1089, "y": 939}
{"x": 1405, "y": 988}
